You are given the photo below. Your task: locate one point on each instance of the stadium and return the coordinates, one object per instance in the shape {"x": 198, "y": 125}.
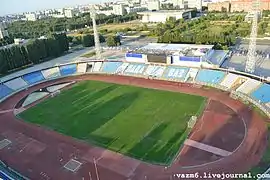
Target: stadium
{"x": 164, "y": 110}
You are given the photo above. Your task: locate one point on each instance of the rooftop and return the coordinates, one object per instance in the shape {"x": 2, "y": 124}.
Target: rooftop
{"x": 181, "y": 11}
{"x": 174, "y": 49}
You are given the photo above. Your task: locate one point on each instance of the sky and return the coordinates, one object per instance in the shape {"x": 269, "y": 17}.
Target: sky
{"x": 18, "y": 6}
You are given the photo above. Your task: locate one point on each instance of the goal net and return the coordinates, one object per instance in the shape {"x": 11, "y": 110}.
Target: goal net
{"x": 192, "y": 121}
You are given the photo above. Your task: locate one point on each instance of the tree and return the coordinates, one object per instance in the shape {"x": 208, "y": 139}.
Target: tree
{"x": 35, "y": 51}
{"x": 32, "y": 52}
{"x": 88, "y": 40}
{"x": 3, "y": 62}
{"x": 70, "y": 38}
{"x": 113, "y": 41}
{"x": 24, "y": 54}
{"x": 28, "y": 29}
{"x": 76, "y": 40}
{"x": 102, "y": 39}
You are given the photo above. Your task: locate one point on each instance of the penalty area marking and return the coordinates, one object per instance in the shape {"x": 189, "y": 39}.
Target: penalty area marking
{"x": 207, "y": 148}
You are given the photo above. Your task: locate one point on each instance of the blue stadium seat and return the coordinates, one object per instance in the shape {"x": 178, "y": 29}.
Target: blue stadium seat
{"x": 33, "y": 77}
{"x": 68, "y": 69}
{"x": 111, "y": 67}
{"x": 210, "y": 76}
{"x": 173, "y": 72}
{"x": 135, "y": 69}
{"x": 4, "y": 91}
{"x": 262, "y": 93}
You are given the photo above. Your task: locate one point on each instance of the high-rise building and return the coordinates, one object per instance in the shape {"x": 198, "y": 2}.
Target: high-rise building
{"x": 3, "y": 30}
{"x": 237, "y": 5}
{"x": 153, "y": 5}
{"x": 31, "y": 17}
{"x": 184, "y": 4}
{"x": 60, "y": 11}
{"x": 119, "y": 9}
{"x": 246, "y": 5}
{"x": 163, "y": 15}
{"x": 69, "y": 13}
{"x": 219, "y": 6}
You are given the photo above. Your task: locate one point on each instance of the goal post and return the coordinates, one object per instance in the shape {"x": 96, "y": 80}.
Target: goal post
{"x": 192, "y": 121}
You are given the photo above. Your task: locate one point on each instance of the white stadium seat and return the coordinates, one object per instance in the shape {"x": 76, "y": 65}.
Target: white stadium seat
{"x": 248, "y": 86}
{"x": 229, "y": 80}
{"x": 16, "y": 84}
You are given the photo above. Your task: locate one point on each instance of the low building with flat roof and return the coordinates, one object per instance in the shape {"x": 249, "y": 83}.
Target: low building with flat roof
{"x": 3, "y": 30}
{"x": 163, "y": 15}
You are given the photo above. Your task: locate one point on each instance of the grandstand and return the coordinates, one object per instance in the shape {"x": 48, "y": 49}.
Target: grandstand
{"x": 122, "y": 68}
{"x": 232, "y": 80}
{"x": 4, "y": 91}
{"x": 135, "y": 69}
{"x": 51, "y": 73}
{"x": 33, "y": 78}
{"x": 192, "y": 74}
{"x": 210, "y": 76}
{"x": 111, "y": 67}
{"x": 16, "y": 84}
{"x": 178, "y": 54}
{"x": 154, "y": 70}
{"x": 176, "y": 73}
{"x": 68, "y": 69}
{"x": 262, "y": 93}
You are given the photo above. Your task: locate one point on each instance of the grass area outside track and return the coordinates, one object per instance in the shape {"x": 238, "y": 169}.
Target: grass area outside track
{"x": 90, "y": 54}
{"x": 146, "y": 124}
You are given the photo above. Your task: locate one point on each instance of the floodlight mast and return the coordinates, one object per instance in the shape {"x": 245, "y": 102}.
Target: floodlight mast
{"x": 251, "y": 55}
{"x": 96, "y": 35}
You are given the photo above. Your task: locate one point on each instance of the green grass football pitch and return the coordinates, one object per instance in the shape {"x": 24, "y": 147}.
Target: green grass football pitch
{"x": 146, "y": 124}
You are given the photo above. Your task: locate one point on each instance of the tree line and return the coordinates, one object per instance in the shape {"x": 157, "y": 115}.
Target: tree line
{"x": 204, "y": 30}
{"x": 86, "y": 40}
{"x": 219, "y": 41}
{"x": 33, "y": 52}
{"x": 6, "y": 40}
{"x": 35, "y": 29}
